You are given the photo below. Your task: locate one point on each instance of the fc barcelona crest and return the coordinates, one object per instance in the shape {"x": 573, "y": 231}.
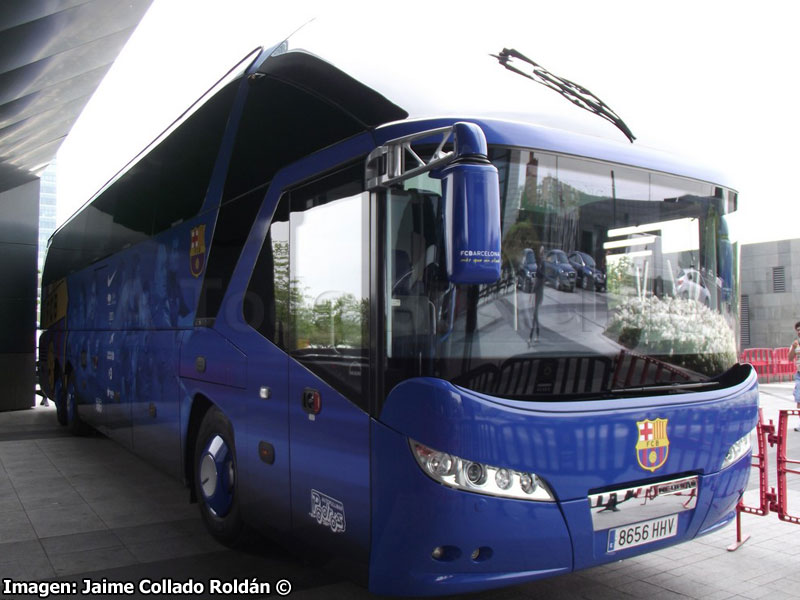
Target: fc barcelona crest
{"x": 652, "y": 447}
{"x": 197, "y": 250}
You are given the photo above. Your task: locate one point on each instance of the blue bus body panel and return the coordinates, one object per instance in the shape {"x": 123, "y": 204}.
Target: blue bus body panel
{"x": 716, "y": 504}
{"x": 576, "y": 446}
{"x": 126, "y": 318}
{"x": 726, "y": 487}
{"x": 330, "y": 467}
{"x": 328, "y": 456}
{"x": 348, "y": 483}
{"x": 577, "y": 449}
{"x": 538, "y": 137}
{"x": 155, "y": 406}
{"x": 412, "y": 515}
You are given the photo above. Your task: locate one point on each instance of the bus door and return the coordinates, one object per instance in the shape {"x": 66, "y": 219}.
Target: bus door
{"x": 262, "y": 439}
{"x": 253, "y": 317}
{"x": 328, "y": 347}
{"x": 296, "y": 307}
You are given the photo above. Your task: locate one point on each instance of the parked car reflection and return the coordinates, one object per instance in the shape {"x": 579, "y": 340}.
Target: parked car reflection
{"x": 558, "y": 272}
{"x": 588, "y": 274}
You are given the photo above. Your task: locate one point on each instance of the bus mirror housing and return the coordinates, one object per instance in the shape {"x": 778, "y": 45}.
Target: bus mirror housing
{"x": 471, "y": 192}
{"x": 470, "y": 189}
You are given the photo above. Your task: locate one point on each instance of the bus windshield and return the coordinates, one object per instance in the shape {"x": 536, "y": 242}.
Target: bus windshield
{"x": 614, "y": 280}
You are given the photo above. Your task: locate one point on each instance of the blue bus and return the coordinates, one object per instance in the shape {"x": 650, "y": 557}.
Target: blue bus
{"x": 304, "y": 300}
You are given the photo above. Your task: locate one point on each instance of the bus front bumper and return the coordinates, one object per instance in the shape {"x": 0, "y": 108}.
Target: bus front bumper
{"x": 430, "y": 539}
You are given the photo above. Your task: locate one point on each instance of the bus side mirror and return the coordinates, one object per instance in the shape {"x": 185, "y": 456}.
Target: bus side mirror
{"x": 471, "y": 192}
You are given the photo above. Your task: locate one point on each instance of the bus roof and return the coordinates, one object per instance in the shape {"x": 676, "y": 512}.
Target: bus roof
{"x": 432, "y": 71}
{"x": 525, "y": 134}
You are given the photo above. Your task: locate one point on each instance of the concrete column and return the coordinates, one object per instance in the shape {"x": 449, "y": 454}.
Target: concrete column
{"x": 19, "y": 238}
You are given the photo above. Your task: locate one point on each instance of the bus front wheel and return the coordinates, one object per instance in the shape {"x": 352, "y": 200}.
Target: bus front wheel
{"x": 215, "y": 477}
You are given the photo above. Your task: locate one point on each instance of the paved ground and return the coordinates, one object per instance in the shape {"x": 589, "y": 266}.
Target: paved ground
{"x": 84, "y": 507}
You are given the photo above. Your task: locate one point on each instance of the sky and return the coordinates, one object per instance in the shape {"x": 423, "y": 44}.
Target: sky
{"x": 714, "y": 82}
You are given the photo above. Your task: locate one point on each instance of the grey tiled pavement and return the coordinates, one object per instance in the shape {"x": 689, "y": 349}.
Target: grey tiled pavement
{"x": 74, "y": 507}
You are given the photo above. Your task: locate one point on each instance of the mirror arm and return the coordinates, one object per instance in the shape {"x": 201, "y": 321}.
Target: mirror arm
{"x": 396, "y": 160}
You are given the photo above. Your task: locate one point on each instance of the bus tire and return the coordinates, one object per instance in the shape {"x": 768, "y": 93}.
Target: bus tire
{"x": 216, "y": 477}
{"x": 73, "y": 420}
{"x": 60, "y": 400}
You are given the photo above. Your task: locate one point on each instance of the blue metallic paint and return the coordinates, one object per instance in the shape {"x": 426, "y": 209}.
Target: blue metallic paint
{"x": 223, "y": 363}
{"x": 572, "y": 448}
{"x": 126, "y": 318}
{"x": 155, "y": 406}
{"x": 538, "y": 137}
{"x": 472, "y": 218}
{"x": 395, "y": 514}
{"x": 575, "y": 446}
{"x": 329, "y": 454}
{"x": 412, "y": 515}
{"x": 717, "y": 498}
{"x": 726, "y": 489}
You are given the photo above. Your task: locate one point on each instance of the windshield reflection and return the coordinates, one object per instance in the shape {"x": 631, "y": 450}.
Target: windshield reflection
{"x": 612, "y": 278}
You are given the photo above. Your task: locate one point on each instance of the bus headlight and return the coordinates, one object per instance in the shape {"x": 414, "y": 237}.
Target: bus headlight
{"x": 737, "y": 451}
{"x": 477, "y": 477}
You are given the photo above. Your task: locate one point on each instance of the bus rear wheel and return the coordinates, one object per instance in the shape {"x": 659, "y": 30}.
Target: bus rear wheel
{"x": 73, "y": 420}
{"x": 215, "y": 477}
{"x": 60, "y": 400}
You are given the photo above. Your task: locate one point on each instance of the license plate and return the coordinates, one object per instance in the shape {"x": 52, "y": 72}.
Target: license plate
{"x": 630, "y": 536}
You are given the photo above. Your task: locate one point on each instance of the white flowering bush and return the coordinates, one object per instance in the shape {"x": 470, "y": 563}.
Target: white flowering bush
{"x": 680, "y": 331}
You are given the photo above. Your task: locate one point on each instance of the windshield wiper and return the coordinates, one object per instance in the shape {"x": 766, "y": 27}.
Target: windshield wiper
{"x": 577, "y": 94}
{"x": 669, "y": 387}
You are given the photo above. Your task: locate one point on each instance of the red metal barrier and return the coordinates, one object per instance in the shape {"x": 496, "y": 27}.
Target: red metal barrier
{"x": 762, "y": 361}
{"x": 769, "y": 499}
{"x": 782, "y": 367}
{"x": 783, "y": 499}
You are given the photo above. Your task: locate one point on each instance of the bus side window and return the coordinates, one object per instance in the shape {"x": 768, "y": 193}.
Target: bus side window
{"x": 233, "y": 226}
{"x": 309, "y": 291}
{"x": 165, "y": 187}
{"x": 280, "y": 124}
{"x": 266, "y": 303}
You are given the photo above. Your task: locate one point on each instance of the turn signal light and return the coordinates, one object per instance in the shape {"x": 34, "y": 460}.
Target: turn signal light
{"x": 737, "y": 451}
